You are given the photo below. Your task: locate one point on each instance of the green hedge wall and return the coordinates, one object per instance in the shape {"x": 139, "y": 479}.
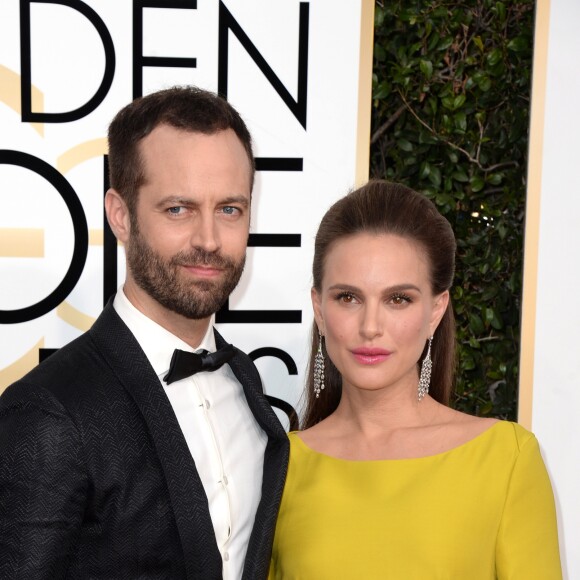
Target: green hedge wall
{"x": 451, "y": 103}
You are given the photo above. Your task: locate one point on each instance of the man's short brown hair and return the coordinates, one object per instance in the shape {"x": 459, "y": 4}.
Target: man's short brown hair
{"x": 187, "y": 108}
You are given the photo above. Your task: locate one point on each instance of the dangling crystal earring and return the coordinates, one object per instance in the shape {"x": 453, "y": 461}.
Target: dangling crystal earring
{"x": 425, "y": 376}
{"x": 319, "y": 368}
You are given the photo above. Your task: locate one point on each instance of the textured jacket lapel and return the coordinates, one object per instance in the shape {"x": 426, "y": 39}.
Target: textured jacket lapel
{"x": 275, "y": 465}
{"x": 127, "y": 360}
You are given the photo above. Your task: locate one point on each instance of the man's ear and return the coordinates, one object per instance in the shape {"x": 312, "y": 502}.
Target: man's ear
{"x": 118, "y": 215}
{"x": 317, "y": 307}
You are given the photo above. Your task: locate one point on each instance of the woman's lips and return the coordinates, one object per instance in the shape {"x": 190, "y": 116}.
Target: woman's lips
{"x": 370, "y": 356}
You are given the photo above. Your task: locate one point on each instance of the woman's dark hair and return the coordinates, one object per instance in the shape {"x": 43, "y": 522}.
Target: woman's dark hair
{"x": 380, "y": 207}
{"x": 187, "y": 108}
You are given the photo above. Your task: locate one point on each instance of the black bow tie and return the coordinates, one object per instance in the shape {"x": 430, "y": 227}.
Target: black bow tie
{"x": 184, "y": 364}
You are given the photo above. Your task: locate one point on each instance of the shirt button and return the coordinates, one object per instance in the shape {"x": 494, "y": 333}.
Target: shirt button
{"x": 207, "y": 404}
{"x": 226, "y": 556}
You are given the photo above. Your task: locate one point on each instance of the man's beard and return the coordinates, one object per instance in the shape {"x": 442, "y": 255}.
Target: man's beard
{"x": 162, "y": 280}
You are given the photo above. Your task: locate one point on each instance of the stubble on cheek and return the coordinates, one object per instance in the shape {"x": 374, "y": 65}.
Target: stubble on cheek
{"x": 166, "y": 281}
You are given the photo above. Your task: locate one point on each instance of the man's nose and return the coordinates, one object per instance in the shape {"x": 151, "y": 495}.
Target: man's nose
{"x": 205, "y": 233}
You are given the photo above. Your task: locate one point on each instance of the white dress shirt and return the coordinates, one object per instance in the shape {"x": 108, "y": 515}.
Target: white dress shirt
{"x": 222, "y": 434}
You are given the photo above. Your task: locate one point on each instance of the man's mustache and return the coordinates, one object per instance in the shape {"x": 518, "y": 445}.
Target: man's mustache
{"x": 201, "y": 257}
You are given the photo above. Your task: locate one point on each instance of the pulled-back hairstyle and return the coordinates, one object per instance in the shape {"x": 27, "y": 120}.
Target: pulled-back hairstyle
{"x": 380, "y": 207}
{"x": 187, "y": 108}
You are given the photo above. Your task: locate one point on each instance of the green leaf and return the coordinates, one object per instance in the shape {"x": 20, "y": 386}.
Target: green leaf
{"x": 519, "y": 44}
{"x": 460, "y": 175}
{"x": 426, "y": 67}
{"x": 433, "y": 41}
{"x": 494, "y": 57}
{"x": 488, "y": 314}
{"x": 476, "y": 324}
{"x": 448, "y": 102}
{"x": 379, "y": 53}
{"x": 484, "y": 83}
{"x": 477, "y": 183}
{"x": 467, "y": 363}
{"x": 382, "y": 91}
{"x": 496, "y": 321}
{"x": 489, "y": 293}
{"x": 500, "y": 11}
{"x": 443, "y": 199}
{"x": 379, "y": 16}
{"x": 435, "y": 177}
{"x": 445, "y": 43}
{"x": 460, "y": 121}
{"x": 404, "y": 145}
{"x": 458, "y": 101}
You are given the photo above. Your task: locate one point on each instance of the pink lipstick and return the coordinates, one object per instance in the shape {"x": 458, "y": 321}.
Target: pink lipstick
{"x": 370, "y": 356}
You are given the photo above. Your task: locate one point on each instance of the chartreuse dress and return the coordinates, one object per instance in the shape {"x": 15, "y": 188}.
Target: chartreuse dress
{"x": 481, "y": 511}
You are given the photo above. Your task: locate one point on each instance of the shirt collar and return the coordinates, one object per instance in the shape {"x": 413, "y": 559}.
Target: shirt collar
{"x": 157, "y": 342}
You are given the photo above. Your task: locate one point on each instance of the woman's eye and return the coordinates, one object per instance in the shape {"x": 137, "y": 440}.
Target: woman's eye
{"x": 346, "y": 298}
{"x": 400, "y": 299}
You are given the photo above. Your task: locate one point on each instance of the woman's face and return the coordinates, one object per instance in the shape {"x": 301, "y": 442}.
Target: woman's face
{"x": 376, "y": 310}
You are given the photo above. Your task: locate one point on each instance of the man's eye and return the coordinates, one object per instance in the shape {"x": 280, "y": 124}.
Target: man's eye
{"x": 175, "y": 210}
{"x": 230, "y": 210}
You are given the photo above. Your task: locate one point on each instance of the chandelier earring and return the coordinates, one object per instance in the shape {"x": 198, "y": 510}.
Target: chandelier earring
{"x": 425, "y": 376}
{"x": 319, "y": 367}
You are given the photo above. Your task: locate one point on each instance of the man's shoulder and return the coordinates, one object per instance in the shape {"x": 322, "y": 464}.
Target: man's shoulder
{"x": 79, "y": 369}
{"x": 71, "y": 367}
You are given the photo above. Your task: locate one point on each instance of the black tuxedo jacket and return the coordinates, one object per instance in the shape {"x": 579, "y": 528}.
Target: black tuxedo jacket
{"x": 96, "y": 479}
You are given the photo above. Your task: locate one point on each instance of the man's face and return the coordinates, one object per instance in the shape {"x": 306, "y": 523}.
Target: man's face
{"x": 189, "y": 232}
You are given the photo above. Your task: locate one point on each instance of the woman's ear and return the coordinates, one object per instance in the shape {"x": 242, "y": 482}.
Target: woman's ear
{"x": 118, "y": 215}
{"x": 317, "y": 307}
{"x": 440, "y": 303}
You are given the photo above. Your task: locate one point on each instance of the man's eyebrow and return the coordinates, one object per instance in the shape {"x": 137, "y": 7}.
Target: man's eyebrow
{"x": 176, "y": 200}
{"x": 192, "y": 202}
{"x": 239, "y": 199}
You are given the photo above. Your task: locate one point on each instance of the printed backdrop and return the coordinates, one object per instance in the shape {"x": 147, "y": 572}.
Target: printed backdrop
{"x": 550, "y": 374}
{"x": 298, "y": 72}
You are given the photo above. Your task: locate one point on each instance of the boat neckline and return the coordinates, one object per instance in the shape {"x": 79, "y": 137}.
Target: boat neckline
{"x": 467, "y": 443}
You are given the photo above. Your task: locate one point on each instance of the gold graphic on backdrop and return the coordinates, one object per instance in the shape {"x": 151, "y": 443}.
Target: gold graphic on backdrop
{"x": 21, "y": 243}
{"x": 74, "y": 317}
{"x": 80, "y": 153}
{"x": 77, "y": 155}
{"x": 10, "y": 83}
{"x": 65, "y": 162}
{"x": 21, "y": 366}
